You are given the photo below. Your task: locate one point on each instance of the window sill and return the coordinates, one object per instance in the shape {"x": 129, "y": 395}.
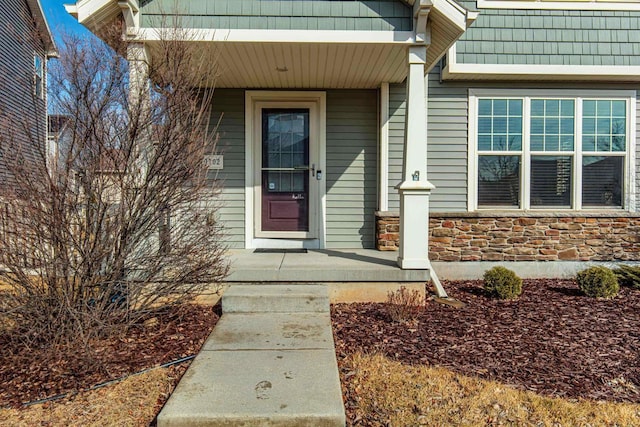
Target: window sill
{"x": 540, "y": 213}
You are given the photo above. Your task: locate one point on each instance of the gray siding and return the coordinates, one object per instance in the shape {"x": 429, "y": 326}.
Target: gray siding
{"x": 18, "y": 107}
{"x": 351, "y": 175}
{"x": 447, "y": 144}
{"x": 551, "y": 37}
{"x": 397, "y": 111}
{"x": 378, "y": 15}
{"x": 230, "y": 104}
{"x": 352, "y": 140}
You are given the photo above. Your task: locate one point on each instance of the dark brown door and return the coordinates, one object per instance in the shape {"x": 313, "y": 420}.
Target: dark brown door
{"x": 285, "y": 169}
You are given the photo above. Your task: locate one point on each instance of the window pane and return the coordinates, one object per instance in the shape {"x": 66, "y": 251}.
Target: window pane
{"x": 515, "y": 107}
{"x": 552, "y": 107}
{"x": 589, "y": 143}
{"x": 603, "y": 108}
{"x": 484, "y": 107}
{"x": 552, "y": 143}
{"x": 484, "y": 125}
{"x": 484, "y": 142}
{"x": 589, "y": 108}
{"x": 588, "y": 126}
{"x": 499, "y": 107}
{"x": 567, "y": 107}
{"x": 537, "y": 107}
{"x": 515, "y": 143}
{"x": 537, "y": 142}
{"x": 618, "y": 109}
{"x": 500, "y": 125}
{"x": 537, "y": 126}
{"x": 500, "y": 122}
{"x": 551, "y": 181}
{"x": 602, "y": 181}
{"x": 605, "y": 123}
{"x": 566, "y": 126}
{"x": 552, "y": 121}
{"x": 499, "y": 181}
{"x": 566, "y": 143}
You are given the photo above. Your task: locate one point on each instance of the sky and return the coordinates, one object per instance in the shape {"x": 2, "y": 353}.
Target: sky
{"x": 60, "y": 21}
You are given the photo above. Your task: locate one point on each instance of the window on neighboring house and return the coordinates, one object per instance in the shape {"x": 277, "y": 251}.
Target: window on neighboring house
{"x": 38, "y": 76}
{"x": 551, "y": 151}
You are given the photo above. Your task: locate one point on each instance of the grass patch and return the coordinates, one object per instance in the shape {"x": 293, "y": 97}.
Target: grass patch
{"x": 380, "y": 391}
{"x": 133, "y": 402}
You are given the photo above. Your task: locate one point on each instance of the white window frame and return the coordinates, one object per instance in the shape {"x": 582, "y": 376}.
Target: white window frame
{"x": 629, "y": 185}
{"x": 623, "y": 5}
{"x": 38, "y": 73}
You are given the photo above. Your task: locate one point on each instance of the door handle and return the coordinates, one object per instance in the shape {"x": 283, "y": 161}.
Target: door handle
{"x": 313, "y": 169}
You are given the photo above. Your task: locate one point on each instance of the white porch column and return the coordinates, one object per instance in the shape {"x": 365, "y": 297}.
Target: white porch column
{"x": 140, "y": 104}
{"x": 415, "y": 189}
{"x": 137, "y": 57}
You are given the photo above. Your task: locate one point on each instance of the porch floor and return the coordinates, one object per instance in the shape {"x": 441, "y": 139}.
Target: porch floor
{"x": 319, "y": 266}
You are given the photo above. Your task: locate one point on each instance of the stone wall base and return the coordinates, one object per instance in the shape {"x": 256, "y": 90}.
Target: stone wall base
{"x": 523, "y": 236}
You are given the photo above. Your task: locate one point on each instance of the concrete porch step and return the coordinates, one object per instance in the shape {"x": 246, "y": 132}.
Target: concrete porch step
{"x": 289, "y": 298}
{"x": 320, "y": 266}
{"x": 265, "y": 368}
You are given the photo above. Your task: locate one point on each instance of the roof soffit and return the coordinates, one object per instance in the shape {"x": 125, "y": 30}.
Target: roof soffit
{"x": 43, "y": 27}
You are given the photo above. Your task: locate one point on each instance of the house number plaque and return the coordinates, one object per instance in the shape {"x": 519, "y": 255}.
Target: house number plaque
{"x": 214, "y": 161}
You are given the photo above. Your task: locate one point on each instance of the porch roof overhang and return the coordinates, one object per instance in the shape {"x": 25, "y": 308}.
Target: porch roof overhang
{"x": 278, "y": 59}
{"x": 43, "y": 28}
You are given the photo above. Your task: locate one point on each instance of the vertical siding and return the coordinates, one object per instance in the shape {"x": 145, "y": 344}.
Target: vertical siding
{"x": 447, "y": 144}
{"x": 352, "y": 139}
{"x": 18, "y": 108}
{"x": 229, "y": 104}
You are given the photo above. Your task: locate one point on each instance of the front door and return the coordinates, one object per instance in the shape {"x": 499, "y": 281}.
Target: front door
{"x": 286, "y": 189}
{"x": 285, "y": 171}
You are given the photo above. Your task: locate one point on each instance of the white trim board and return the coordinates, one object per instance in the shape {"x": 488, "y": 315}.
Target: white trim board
{"x": 253, "y": 100}
{"x": 630, "y": 96}
{"x": 559, "y": 5}
{"x": 537, "y": 72}
{"x": 277, "y": 36}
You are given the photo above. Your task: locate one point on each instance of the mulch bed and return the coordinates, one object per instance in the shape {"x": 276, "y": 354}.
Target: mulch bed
{"x": 550, "y": 340}
{"x": 27, "y": 375}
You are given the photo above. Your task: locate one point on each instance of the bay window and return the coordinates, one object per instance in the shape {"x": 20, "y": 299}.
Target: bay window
{"x": 544, "y": 150}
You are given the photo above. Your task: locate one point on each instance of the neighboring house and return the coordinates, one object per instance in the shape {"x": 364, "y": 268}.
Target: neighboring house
{"x": 25, "y": 46}
{"x": 457, "y": 131}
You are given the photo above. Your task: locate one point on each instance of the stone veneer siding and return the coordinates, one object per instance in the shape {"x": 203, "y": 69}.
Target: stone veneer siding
{"x": 523, "y": 236}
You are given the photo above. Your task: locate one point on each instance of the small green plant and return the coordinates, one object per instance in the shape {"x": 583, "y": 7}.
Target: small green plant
{"x": 502, "y": 283}
{"x": 598, "y": 282}
{"x": 628, "y": 275}
{"x": 404, "y": 304}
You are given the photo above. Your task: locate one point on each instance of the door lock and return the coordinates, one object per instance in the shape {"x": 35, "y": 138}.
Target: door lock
{"x": 319, "y": 175}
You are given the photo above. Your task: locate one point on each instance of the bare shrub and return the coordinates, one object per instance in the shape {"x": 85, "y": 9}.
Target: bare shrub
{"x": 404, "y": 305}
{"x": 122, "y": 223}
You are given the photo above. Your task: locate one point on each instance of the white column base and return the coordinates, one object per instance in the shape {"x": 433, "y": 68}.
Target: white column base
{"x": 414, "y": 225}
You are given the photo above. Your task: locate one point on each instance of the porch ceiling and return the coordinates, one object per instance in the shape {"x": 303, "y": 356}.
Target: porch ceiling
{"x": 304, "y": 65}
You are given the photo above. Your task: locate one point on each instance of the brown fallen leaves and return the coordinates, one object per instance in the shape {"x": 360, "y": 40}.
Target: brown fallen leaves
{"x": 30, "y": 374}
{"x": 551, "y": 340}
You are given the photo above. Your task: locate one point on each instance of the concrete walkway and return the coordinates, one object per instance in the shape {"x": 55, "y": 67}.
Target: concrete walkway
{"x": 270, "y": 361}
